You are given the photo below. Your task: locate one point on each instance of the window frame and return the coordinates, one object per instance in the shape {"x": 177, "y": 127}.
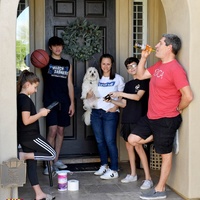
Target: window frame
{"x": 140, "y": 36}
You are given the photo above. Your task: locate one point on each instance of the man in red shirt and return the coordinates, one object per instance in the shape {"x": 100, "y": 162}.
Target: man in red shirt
{"x": 169, "y": 94}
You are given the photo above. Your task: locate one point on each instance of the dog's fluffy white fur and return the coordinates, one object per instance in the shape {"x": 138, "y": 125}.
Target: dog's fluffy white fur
{"x": 90, "y": 83}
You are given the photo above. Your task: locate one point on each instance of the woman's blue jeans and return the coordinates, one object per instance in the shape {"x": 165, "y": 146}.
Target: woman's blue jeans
{"x": 104, "y": 125}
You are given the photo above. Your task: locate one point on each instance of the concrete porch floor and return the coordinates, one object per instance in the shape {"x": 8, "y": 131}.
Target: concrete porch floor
{"x": 92, "y": 187}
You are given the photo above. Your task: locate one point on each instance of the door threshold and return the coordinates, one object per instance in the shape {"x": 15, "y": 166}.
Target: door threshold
{"x": 80, "y": 160}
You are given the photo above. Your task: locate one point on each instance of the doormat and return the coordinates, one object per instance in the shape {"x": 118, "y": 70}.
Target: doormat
{"x": 83, "y": 166}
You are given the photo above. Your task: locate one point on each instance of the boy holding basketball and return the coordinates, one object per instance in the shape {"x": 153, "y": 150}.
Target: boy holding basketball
{"x": 58, "y": 86}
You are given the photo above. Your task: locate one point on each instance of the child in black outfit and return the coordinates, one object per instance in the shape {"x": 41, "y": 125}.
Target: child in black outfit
{"x": 35, "y": 147}
{"x": 134, "y": 101}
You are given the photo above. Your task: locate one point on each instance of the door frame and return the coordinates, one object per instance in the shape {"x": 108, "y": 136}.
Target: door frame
{"x": 123, "y": 36}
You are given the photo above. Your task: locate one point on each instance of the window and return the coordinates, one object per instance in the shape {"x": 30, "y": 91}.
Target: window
{"x": 22, "y": 37}
{"x": 139, "y": 24}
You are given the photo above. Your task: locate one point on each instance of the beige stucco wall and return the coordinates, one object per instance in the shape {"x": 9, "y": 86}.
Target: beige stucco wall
{"x": 182, "y": 19}
{"x": 123, "y": 50}
{"x": 37, "y": 32}
{"x": 8, "y": 144}
{"x": 156, "y": 25}
{"x": 193, "y": 135}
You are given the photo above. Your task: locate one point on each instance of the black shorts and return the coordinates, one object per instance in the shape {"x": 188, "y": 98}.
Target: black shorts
{"x": 59, "y": 116}
{"x": 126, "y": 130}
{"x": 163, "y": 130}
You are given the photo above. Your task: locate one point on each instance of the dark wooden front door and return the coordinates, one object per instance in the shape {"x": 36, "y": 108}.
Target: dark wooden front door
{"x": 79, "y": 139}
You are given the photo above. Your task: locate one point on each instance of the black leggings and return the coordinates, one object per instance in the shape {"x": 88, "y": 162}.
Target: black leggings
{"x": 42, "y": 151}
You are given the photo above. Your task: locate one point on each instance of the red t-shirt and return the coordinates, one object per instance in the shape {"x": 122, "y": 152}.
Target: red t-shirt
{"x": 164, "y": 95}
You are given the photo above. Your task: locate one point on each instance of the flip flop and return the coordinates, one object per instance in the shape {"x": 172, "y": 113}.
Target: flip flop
{"x": 48, "y": 197}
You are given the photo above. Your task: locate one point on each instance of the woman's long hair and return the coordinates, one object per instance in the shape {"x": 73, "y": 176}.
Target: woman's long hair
{"x": 113, "y": 67}
{"x": 24, "y": 77}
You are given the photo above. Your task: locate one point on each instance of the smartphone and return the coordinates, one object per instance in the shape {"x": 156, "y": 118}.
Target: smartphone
{"x": 107, "y": 97}
{"x": 50, "y": 107}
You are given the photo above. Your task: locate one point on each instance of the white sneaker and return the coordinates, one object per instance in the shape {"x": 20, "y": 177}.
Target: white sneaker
{"x": 129, "y": 178}
{"x": 147, "y": 184}
{"x": 46, "y": 171}
{"x": 55, "y": 169}
{"x": 110, "y": 174}
{"x": 60, "y": 165}
{"x": 101, "y": 170}
{"x": 176, "y": 143}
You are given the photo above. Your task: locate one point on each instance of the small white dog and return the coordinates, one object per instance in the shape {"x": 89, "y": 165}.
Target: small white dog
{"x": 90, "y": 84}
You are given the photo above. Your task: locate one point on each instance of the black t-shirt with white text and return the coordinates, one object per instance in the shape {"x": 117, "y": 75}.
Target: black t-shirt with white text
{"x": 55, "y": 77}
{"x": 134, "y": 110}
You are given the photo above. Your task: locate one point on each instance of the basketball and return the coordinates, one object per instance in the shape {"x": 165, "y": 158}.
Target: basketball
{"x": 39, "y": 58}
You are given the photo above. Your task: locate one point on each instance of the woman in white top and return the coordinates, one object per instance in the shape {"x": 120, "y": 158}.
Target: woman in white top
{"x": 104, "y": 119}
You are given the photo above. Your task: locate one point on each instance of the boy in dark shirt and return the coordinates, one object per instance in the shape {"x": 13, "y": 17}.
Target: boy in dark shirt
{"x": 58, "y": 86}
{"x": 134, "y": 103}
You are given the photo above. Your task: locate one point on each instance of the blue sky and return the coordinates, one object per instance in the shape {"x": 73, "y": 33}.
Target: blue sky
{"x": 22, "y": 21}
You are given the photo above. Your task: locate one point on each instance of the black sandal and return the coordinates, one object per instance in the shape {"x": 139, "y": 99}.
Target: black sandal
{"x": 48, "y": 197}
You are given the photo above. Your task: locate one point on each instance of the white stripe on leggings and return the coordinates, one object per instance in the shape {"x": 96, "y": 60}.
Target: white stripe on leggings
{"x": 47, "y": 147}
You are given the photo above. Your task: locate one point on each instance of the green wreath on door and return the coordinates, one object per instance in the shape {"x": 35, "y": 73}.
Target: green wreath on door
{"x": 82, "y": 39}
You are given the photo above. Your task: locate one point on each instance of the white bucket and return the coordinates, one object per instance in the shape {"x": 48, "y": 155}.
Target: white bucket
{"x": 62, "y": 180}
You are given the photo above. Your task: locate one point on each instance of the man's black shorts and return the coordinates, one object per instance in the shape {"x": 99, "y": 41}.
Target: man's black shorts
{"x": 163, "y": 130}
